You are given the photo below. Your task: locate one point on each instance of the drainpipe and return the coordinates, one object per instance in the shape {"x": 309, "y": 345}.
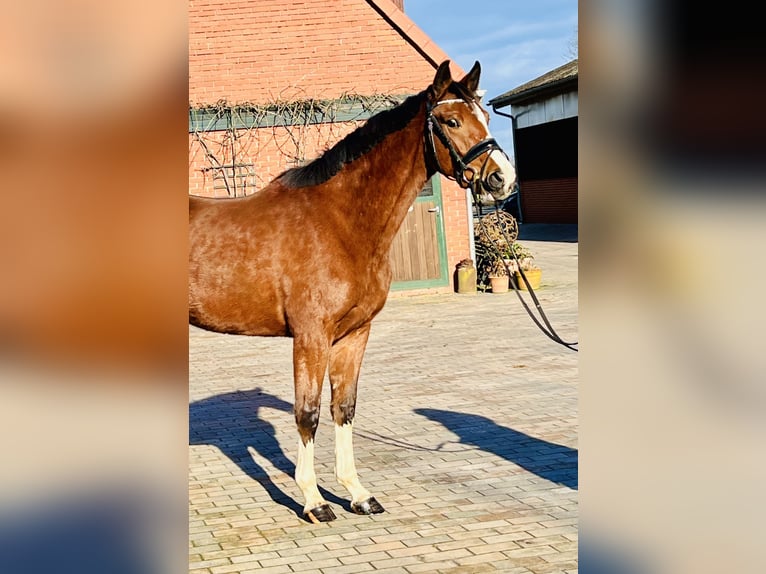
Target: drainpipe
{"x": 469, "y": 211}
{"x": 515, "y": 157}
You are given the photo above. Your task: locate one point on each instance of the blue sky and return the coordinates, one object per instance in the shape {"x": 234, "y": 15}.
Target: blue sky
{"x": 514, "y": 41}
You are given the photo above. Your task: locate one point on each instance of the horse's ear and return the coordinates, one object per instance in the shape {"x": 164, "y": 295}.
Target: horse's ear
{"x": 471, "y": 79}
{"x": 442, "y": 81}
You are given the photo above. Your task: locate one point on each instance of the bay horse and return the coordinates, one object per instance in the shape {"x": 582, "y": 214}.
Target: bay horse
{"x": 307, "y": 256}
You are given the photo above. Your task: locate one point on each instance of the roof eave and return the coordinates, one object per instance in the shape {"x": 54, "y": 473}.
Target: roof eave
{"x": 536, "y": 92}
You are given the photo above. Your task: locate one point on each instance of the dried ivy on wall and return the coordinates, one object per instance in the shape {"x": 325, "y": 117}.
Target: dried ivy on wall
{"x": 229, "y": 138}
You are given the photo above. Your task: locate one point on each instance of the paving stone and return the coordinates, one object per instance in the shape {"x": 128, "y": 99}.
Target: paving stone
{"x": 431, "y": 566}
{"x": 482, "y": 559}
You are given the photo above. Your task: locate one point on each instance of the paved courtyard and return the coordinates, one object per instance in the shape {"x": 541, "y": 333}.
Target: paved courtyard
{"x": 466, "y": 432}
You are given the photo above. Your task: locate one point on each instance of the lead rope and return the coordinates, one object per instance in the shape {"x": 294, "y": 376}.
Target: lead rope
{"x": 460, "y": 167}
{"x": 547, "y": 329}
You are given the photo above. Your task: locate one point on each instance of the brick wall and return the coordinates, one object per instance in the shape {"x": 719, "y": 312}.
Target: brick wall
{"x": 261, "y": 51}
{"x": 455, "y": 223}
{"x": 266, "y": 50}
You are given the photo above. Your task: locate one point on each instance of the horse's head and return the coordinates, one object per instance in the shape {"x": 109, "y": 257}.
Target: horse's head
{"x": 462, "y": 147}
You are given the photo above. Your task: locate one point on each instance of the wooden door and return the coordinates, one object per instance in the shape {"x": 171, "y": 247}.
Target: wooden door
{"x": 418, "y": 253}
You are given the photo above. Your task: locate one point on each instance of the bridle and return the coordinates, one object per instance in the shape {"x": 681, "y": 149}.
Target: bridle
{"x": 468, "y": 177}
{"x": 464, "y": 175}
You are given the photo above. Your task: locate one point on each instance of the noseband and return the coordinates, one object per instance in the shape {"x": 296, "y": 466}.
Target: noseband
{"x": 465, "y": 176}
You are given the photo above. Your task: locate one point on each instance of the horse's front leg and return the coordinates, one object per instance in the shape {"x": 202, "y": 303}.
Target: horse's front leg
{"x": 310, "y": 356}
{"x": 345, "y": 363}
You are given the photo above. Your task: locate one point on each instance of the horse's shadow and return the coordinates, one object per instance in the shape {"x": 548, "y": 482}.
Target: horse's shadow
{"x": 548, "y": 460}
{"x": 232, "y": 422}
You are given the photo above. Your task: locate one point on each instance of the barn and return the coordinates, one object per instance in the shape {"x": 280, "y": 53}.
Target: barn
{"x": 273, "y": 83}
{"x": 544, "y": 121}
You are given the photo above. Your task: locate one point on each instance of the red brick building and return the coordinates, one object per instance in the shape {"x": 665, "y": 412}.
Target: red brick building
{"x": 272, "y": 83}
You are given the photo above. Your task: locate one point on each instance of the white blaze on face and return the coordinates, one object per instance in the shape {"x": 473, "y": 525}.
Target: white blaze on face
{"x": 500, "y": 159}
{"x": 480, "y": 116}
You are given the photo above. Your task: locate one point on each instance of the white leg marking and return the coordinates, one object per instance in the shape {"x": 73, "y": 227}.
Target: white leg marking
{"x": 305, "y": 476}
{"x": 345, "y": 468}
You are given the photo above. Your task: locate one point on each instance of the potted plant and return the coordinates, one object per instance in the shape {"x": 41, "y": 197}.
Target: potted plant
{"x": 495, "y": 263}
{"x": 498, "y": 254}
{"x": 498, "y": 276}
{"x": 526, "y": 262}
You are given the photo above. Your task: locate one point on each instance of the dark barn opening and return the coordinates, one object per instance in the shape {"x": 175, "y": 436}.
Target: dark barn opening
{"x": 546, "y": 157}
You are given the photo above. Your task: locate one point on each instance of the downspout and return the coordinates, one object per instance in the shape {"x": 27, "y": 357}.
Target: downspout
{"x": 515, "y": 157}
{"x": 469, "y": 211}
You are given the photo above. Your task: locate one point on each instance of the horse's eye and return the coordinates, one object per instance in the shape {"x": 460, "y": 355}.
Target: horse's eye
{"x": 453, "y": 123}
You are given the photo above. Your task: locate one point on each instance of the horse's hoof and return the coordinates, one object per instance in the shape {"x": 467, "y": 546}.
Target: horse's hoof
{"x": 369, "y": 506}
{"x": 322, "y": 513}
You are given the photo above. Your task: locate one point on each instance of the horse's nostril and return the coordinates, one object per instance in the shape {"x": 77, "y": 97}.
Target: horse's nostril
{"x": 495, "y": 180}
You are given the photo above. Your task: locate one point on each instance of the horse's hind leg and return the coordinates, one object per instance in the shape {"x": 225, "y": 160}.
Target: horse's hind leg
{"x": 310, "y": 355}
{"x": 345, "y": 363}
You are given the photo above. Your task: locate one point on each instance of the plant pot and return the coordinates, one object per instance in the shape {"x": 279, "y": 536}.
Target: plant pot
{"x": 499, "y": 284}
{"x": 533, "y": 276}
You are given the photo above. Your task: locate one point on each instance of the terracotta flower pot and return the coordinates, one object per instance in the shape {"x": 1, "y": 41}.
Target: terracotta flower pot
{"x": 499, "y": 284}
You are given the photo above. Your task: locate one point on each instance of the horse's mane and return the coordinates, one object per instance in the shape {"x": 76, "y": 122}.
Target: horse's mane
{"x": 354, "y": 145}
